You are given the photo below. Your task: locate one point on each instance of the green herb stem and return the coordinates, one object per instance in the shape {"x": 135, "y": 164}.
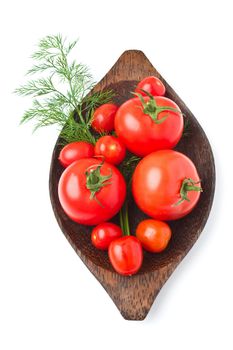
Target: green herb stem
{"x": 124, "y": 219}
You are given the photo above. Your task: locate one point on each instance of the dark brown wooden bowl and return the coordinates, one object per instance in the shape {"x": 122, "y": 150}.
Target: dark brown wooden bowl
{"x": 134, "y": 295}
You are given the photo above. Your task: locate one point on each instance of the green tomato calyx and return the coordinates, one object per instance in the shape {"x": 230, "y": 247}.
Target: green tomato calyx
{"x": 188, "y": 185}
{"x": 95, "y": 181}
{"x": 152, "y": 109}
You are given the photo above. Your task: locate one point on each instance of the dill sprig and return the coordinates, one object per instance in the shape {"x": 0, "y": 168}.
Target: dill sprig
{"x": 62, "y": 97}
{"x": 128, "y": 166}
{"x": 186, "y": 130}
{"x": 74, "y": 131}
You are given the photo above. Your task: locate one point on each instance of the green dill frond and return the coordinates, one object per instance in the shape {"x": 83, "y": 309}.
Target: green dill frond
{"x": 128, "y": 166}
{"x": 73, "y": 131}
{"x": 44, "y": 115}
{"x": 63, "y": 91}
{"x": 91, "y": 102}
{"x": 186, "y": 130}
{"x": 36, "y": 88}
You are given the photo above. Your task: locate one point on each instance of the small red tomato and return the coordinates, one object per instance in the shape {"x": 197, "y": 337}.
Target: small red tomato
{"x": 154, "y": 235}
{"x": 103, "y": 118}
{"x": 103, "y": 234}
{"x": 152, "y": 85}
{"x": 75, "y": 151}
{"x": 111, "y": 148}
{"x": 126, "y": 255}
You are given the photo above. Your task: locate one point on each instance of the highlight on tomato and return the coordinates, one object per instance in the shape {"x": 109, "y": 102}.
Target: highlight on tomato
{"x": 111, "y": 148}
{"x": 152, "y": 85}
{"x": 91, "y": 191}
{"x": 74, "y": 151}
{"x": 154, "y": 235}
{"x": 166, "y": 185}
{"x": 103, "y": 118}
{"x": 148, "y": 124}
{"x": 103, "y": 234}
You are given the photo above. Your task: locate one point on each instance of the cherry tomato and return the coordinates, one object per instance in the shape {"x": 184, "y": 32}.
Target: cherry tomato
{"x": 166, "y": 185}
{"x": 91, "y": 191}
{"x": 103, "y": 234}
{"x": 103, "y": 117}
{"x": 74, "y": 151}
{"x": 154, "y": 235}
{"x": 111, "y": 148}
{"x": 152, "y": 85}
{"x": 126, "y": 255}
{"x": 149, "y": 124}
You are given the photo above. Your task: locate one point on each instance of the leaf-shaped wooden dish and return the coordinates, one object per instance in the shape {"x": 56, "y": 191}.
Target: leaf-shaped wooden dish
{"x": 134, "y": 295}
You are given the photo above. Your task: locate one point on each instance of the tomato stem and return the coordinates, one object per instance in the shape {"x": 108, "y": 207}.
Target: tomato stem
{"x": 121, "y": 220}
{"x": 187, "y": 185}
{"x": 127, "y": 231}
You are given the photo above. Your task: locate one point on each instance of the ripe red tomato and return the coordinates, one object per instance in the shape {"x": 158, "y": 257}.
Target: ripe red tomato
{"x": 165, "y": 185}
{"x": 126, "y": 255}
{"x": 103, "y": 117}
{"x": 74, "y": 151}
{"x": 91, "y": 191}
{"x": 103, "y": 234}
{"x": 152, "y": 85}
{"x": 154, "y": 235}
{"x": 149, "y": 124}
{"x": 111, "y": 148}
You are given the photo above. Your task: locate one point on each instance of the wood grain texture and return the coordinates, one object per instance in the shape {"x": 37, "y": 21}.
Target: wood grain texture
{"x": 134, "y": 295}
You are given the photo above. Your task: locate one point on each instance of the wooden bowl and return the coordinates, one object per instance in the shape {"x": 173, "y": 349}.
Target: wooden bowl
{"x": 134, "y": 295}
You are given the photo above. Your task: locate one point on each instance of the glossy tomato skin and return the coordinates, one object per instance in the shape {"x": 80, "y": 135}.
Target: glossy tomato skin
{"x": 151, "y": 84}
{"x": 156, "y": 185}
{"x": 126, "y": 255}
{"x": 103, "y": 234}
{"x": 139, "y": 132}
{"x": 74, "y": 151}
{"x": 111, "y": 148}
{"x": 75, "y": 197}
{"x": 103, "y": 117}
{"x": 154, "y": 235}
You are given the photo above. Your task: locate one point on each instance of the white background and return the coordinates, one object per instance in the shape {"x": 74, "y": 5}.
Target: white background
{"x": 48, "y": 299}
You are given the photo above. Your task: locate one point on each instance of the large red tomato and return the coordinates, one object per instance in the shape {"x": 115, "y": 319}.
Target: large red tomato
{"x": 148, "y": 124}
{"x": 91, "y": 191}
{"x": 166, "y": 185}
